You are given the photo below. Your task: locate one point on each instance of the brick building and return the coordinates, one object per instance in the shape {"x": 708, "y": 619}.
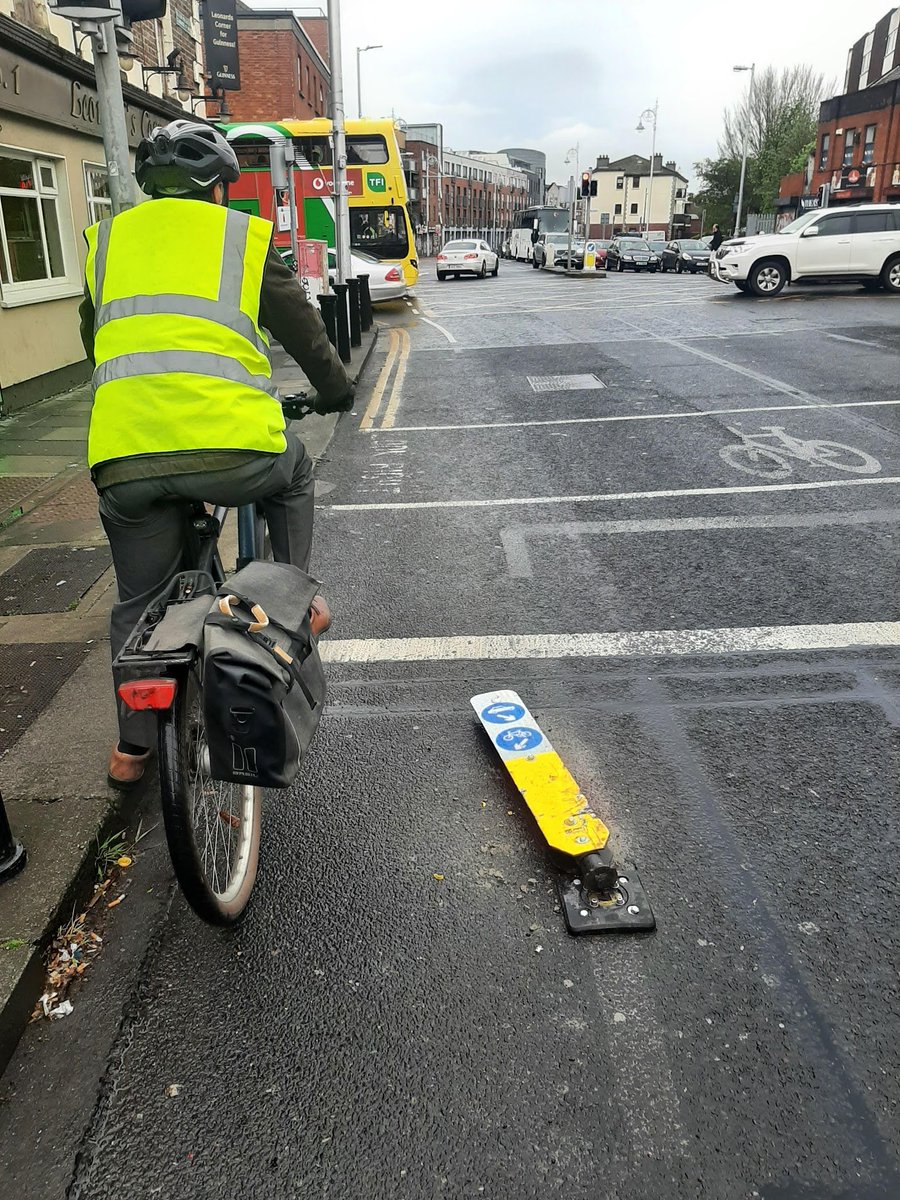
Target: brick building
{"x": 479, "y": 197}
{"x": 857, "y": 150}
{"x": 284, "y": 72}
{"x": 422, "y": 167}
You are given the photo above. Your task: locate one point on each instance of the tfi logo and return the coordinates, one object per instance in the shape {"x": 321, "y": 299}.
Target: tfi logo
{"x": 375, "y": 181}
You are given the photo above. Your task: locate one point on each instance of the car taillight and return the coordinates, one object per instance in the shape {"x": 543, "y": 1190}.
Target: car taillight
{"x": 394, "y": 275}
{"x": 142, "y": 694}
{"x": 471, "y": 256}
{"x": 442, "y": 258}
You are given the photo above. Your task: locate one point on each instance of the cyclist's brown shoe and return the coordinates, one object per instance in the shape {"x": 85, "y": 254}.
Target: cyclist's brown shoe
{"x": 319, "y": 616}
{"x": 126, "y": 770}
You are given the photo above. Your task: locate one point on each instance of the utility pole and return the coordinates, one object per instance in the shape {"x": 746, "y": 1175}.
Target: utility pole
{"x": 650, "y": 114}
{"x": 339, "y": 143}
{"x": 360, "y": 50}
{"x": 740, "y": 200}
{"x": 101, "y": 24}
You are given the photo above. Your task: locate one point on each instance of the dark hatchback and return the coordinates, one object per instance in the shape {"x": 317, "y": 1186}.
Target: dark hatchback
{"x": 685, "y": 254}
{"x": 630, "y": 254}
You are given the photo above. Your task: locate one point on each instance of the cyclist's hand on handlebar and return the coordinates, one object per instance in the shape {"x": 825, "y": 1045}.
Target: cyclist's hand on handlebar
{"x": 342, "y": 404}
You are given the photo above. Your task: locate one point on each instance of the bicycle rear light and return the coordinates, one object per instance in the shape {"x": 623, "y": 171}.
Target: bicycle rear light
{"x": 143, "y": 694}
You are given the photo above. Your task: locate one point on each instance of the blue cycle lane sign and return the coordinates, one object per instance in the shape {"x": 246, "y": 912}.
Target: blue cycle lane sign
{"x": 503, "y": 713}
{"x": 519, "y": 739}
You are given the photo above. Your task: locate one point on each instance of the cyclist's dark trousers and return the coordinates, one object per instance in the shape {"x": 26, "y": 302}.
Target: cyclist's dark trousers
{"x": 145, "y": 523}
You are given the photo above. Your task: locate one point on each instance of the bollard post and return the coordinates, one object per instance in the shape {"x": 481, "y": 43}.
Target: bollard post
{"x": 365, "y": 302}
{"x": 355, "y": 316}
{"x": 328, "y": 306}
{"x": 343, "y": 322}
{"x": 12, "y": 853}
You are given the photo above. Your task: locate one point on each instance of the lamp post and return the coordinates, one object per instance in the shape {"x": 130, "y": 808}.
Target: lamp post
{"x": 649, "y": 114}
{"x": 360, "y": 50}
{"x": 740, "y": 203}
{"x": 574, "y": 151}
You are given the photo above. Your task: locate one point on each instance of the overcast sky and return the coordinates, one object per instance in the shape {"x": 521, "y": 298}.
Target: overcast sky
{"x": 550, "y": 73}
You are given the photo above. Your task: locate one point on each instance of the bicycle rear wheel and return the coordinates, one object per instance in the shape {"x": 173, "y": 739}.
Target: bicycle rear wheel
{"x": 212, "y": 827}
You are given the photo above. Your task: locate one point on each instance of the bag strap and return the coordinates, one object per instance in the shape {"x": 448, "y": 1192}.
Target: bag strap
{"x": 228, "y": 619}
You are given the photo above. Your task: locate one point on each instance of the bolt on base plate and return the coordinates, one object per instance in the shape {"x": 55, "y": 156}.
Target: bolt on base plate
{"x": 624, "y": 910}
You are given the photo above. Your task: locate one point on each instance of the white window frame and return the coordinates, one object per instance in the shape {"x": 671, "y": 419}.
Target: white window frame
{"x": 34, "y": 291}
{"x": 866, "y": 66}
{"x": 98, "y": 206}
{"x": 891, "y": 43}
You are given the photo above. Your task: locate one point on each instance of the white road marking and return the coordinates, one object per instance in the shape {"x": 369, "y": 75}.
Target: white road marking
{"x": 841, "y": 337}
{"x": 706, "y": 412}
{"x": 640, "y": 643}
{"x": 522, "y": 501}
{"x": 768, "y": 380}
{"x": 446, "y": 332}
{"x": 518, "y": 558}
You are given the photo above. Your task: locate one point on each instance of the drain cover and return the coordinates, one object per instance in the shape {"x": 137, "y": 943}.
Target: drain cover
{"x": 30, "y": 676}
{"x": 564, "y": 383}
{"x": 50, "y": 579}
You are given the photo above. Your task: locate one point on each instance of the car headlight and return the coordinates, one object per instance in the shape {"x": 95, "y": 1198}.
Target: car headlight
{"x": 689, "y": 257}
{"x": 740, "y": 248}
{"x": 628, "y": 257}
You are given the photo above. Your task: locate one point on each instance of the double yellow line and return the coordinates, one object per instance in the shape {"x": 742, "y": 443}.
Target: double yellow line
{"x": 397, "y": 356}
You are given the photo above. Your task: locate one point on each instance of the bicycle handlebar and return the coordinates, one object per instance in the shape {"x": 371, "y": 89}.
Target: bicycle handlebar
{"x": 297, "y": 406}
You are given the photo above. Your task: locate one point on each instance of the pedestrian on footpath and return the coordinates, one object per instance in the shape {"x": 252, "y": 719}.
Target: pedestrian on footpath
{"x": 177, "y": 293}
{"x": 717, "y": 239}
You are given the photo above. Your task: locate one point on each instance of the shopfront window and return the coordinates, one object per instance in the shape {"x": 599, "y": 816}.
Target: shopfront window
{"x": 96, "y": 187}
{"x": 30, "y": 242}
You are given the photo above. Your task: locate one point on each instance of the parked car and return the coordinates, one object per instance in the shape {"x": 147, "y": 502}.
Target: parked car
{"x": 602, "y": 245}
{"x": 386, "y": 280}
{"x": 861, "y": 242}
{"x": 685, "y": 254}
{"x": 552, "y": 250}
{"x": 471, "y": 256}
{"x": 631, "y": 253}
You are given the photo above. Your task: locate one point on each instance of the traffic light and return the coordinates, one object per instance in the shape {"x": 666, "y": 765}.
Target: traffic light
{"x": 586, "y": 183}
{"x": 143, "y": 10}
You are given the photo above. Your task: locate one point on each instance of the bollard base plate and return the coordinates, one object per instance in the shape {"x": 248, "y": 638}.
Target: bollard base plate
{"x": 13, "y": 863}
{"x": 626, "y": 910}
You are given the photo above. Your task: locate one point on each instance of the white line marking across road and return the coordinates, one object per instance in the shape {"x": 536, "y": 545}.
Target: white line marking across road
{"x": 705, "y": 412}
{"x": 446, "y": 332}
{"x": 518, "y": 557}
{"x": 675, "y": 493}
{"x": 842, "y": 337}
{"x": 646, "y": 642}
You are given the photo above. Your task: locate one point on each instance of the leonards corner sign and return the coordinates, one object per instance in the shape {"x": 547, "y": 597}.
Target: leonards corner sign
{"x": 220, "y": 40}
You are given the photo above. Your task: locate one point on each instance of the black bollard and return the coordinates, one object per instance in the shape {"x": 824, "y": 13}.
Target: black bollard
{"x": 365, "y": 302}
{"x": 12, "y": 853}
{"x": 343, "y": 322}
{"x": 328, "y": 306}
{"x": 355, "y": 316}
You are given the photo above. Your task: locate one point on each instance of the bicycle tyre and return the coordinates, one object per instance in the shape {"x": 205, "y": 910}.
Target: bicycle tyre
{"x": 867, "y": 466}
{"x": 182, "y": 775}
{"x": 754, "y": 454}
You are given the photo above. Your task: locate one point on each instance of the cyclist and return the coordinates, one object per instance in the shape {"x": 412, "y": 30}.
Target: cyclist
{"x": 178, "y": 292}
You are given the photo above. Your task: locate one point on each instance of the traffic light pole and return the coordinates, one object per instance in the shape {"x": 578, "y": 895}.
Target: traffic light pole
{"x": 112, "y": 117}
{"x": 571, "y": 225}
{"x": 339, "y": 165}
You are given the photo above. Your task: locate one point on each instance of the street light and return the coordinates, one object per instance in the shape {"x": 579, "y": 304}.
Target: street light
{"x": 740, "y": 203}
{"x": 650, "y": 114}
{"x": 359, "y": 51}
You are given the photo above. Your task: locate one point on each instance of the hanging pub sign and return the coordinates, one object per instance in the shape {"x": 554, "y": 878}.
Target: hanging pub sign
{"x": 220, "y": 36}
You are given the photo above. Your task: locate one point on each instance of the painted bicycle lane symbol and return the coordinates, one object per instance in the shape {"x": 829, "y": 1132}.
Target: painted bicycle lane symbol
{"x": 769, "y": 453}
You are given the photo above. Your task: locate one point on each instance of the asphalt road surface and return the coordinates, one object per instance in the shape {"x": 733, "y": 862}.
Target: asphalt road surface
{"x": 665, "y": 514}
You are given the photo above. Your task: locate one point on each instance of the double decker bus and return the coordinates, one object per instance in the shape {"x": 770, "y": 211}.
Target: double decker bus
{"x": 379, "y": 220}
{"x": 544, "y": 219}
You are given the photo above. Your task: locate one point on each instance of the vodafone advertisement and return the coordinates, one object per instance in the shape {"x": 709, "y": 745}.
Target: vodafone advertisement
{"x": 319, "y": 182}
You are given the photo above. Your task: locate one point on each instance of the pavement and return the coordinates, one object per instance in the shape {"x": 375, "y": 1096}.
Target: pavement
{"x": 57, "y": 718}
{"x": 665, "y": 514}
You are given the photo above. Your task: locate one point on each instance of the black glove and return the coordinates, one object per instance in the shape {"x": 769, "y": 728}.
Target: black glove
{"x": 343, "y": 403}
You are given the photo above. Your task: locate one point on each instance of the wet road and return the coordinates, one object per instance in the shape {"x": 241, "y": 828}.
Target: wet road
{"x": 705, "y": 489}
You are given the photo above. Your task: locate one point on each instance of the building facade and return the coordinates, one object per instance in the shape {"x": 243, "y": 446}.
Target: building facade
{"x": 479, "y": 197}
{"x": 422, "y": 167}
{"x": 284, "y": 72}
{"x": 627, "y": 203}
{"x": 53, "y": 180}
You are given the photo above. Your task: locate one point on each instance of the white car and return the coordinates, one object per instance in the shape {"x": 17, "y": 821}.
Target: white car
{"x": 386, "y": 280}
{"x": 469, "y": 256}
{"x": 861, "y": 242}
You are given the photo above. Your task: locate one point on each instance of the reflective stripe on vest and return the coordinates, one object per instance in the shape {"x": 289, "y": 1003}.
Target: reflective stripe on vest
{"x": 182, "y": 363}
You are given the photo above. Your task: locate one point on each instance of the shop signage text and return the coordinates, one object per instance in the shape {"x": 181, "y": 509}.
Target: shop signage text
{"x": 220, "y": 37}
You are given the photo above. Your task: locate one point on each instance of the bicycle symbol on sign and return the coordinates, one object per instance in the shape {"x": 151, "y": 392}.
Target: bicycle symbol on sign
{"x": 770, "y": 451}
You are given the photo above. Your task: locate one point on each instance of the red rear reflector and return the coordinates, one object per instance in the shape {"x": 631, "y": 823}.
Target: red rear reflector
{"x": 394, "y": 275}
{"x": 142, "y": 694}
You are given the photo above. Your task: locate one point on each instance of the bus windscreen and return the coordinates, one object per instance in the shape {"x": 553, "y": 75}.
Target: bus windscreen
{"x": 379, "y": 231}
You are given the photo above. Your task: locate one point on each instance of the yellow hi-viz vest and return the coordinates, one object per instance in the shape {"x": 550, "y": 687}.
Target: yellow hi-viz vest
{"x": 181, "y": 362}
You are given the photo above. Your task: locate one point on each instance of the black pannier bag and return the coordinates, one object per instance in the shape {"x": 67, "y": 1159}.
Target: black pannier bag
{"x": 263, "y": 683}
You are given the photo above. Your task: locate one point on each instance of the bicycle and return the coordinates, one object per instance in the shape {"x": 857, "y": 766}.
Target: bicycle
{"x": 756, "y": 450}
{"x": 212, "y": 827}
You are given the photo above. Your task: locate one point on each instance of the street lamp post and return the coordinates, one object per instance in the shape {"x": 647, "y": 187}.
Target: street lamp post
{"x": 573, "y": 185}
{"x": 649, "y": 114}
{"x": 360, "y": 50}
{"x": 740, "y": 203}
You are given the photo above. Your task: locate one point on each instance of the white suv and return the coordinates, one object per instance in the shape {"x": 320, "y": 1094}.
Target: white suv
{"x": 862, "y": 242}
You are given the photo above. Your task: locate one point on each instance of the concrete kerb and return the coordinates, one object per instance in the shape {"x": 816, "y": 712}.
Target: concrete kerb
{"x": 53, "y": 780}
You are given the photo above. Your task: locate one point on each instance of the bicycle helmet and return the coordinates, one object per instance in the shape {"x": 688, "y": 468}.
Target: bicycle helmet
{"x": 184, "y": 158}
